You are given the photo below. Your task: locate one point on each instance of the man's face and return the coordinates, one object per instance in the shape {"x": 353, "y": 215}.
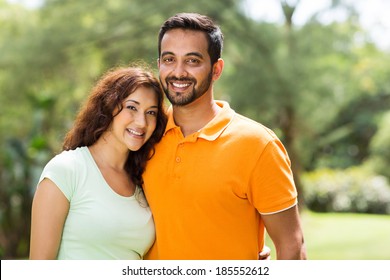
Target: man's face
{"x": 184, "y": 65}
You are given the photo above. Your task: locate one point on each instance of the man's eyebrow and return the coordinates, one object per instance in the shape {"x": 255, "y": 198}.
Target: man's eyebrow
{"x": 197, "y": 54}
{"x": 167, "y": 53}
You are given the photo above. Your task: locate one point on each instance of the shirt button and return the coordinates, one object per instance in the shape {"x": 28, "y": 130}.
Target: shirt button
{"x": 178, "y": 159}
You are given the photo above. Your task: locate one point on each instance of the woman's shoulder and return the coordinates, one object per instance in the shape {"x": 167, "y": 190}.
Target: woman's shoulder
{"x": 66, "y": 169}
{"x": 69, "y": 159}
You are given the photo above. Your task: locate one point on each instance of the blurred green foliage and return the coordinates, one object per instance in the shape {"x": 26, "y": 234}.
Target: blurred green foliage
{"x": 353, "y": 190}
{"x": 379, "y": 160}
{"x": 323, "y": 88}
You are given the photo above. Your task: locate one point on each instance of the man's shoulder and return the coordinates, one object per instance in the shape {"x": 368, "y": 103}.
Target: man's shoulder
{"x": 245, "y": 126}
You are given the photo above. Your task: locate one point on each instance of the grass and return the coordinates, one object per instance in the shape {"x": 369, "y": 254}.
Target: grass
{"x": 345, "y": 236}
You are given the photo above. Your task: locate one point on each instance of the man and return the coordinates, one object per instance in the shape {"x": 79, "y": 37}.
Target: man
{"x": 217, "y": 179}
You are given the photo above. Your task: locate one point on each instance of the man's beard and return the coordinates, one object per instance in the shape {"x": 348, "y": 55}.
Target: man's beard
{"x": 182, "y": 99}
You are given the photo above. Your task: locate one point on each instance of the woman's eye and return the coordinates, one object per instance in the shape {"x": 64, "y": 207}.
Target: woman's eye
{"x": 153, "y": 113}
{"x": 131, "y": 108}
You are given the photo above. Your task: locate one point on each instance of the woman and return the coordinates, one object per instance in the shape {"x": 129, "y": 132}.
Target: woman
{"x": 89, "y": 203}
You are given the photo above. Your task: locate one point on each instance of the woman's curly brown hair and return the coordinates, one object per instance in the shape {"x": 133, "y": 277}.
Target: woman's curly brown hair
{"x": 96, "y": 115}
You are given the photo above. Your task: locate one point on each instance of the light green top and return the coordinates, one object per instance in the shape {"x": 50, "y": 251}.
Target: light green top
{"x": 101, "y": 224}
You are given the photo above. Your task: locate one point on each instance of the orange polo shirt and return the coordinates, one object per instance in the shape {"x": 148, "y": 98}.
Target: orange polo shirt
{"x": 207, "y": 190}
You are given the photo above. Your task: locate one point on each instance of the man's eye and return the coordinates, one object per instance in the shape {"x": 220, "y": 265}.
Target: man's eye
{"x": 168, "y": 59}
{"x": 193, "y": 61}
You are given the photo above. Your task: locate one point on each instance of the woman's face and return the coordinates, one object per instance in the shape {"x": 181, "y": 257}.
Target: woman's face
{"x": 136, "y": 122}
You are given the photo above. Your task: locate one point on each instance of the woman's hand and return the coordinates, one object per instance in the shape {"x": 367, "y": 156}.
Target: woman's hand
{"x": 265, "y": 254}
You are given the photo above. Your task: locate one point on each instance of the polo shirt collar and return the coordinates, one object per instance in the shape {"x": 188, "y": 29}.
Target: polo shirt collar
{"x": 214, "y": 128}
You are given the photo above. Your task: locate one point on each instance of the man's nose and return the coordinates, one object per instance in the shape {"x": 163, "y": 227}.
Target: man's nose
{"x": 179, "y": 70}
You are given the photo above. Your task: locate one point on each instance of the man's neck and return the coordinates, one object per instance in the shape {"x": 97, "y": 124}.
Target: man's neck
{"x": 195, "y": 116}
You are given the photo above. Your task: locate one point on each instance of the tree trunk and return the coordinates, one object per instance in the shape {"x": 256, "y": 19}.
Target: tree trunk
{"x": 288, "y": 118}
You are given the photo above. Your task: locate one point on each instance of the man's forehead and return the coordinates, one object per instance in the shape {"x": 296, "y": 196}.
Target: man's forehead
{"x": 185, "y": 42}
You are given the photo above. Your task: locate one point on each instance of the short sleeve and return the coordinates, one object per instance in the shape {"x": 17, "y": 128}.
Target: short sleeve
{"x": 272, "y": 187}
{"x": 62, "y": 171}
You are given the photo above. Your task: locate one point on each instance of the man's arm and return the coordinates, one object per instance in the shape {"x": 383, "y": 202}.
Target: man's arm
{"x": 285, "y": 230}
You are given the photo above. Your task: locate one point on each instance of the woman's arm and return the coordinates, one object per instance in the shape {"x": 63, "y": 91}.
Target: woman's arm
{"x": 49, "y": 210}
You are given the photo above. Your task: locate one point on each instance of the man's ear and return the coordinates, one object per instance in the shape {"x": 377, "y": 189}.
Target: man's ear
{"x": 217, "y": 69}
{"x": 158, "y": 62}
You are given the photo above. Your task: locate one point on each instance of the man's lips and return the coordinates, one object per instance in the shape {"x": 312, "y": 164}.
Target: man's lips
{"x": 180, "y": 85}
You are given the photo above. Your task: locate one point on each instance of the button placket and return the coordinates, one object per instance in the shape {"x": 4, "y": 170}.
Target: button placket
{"x": 178, "y": 152}
{"x": 178, "y": 160}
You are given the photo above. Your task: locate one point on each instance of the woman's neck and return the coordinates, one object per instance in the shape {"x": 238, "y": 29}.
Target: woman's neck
{"x": 108, "y": 155}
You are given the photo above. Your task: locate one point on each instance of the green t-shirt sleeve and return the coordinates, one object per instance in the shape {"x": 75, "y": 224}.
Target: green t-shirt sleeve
{"x": 61, "y": 170}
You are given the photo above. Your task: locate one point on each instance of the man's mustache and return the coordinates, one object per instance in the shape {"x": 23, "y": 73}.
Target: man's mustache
{"x": 175, "y": 79}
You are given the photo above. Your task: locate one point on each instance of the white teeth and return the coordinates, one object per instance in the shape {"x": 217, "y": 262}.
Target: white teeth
{"x": 134, "y": 132}
{"x": 180, "y": 85}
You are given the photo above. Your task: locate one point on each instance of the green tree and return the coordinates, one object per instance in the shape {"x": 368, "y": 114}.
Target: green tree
{"x": 299, "y": 79}
{"x": 379, "y": 160}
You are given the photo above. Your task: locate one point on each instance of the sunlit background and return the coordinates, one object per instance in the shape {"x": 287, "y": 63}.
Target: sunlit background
{"x": 316, "y": 72}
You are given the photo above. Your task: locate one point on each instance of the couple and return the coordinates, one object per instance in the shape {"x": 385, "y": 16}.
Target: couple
{"x": 214, "y": 182}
